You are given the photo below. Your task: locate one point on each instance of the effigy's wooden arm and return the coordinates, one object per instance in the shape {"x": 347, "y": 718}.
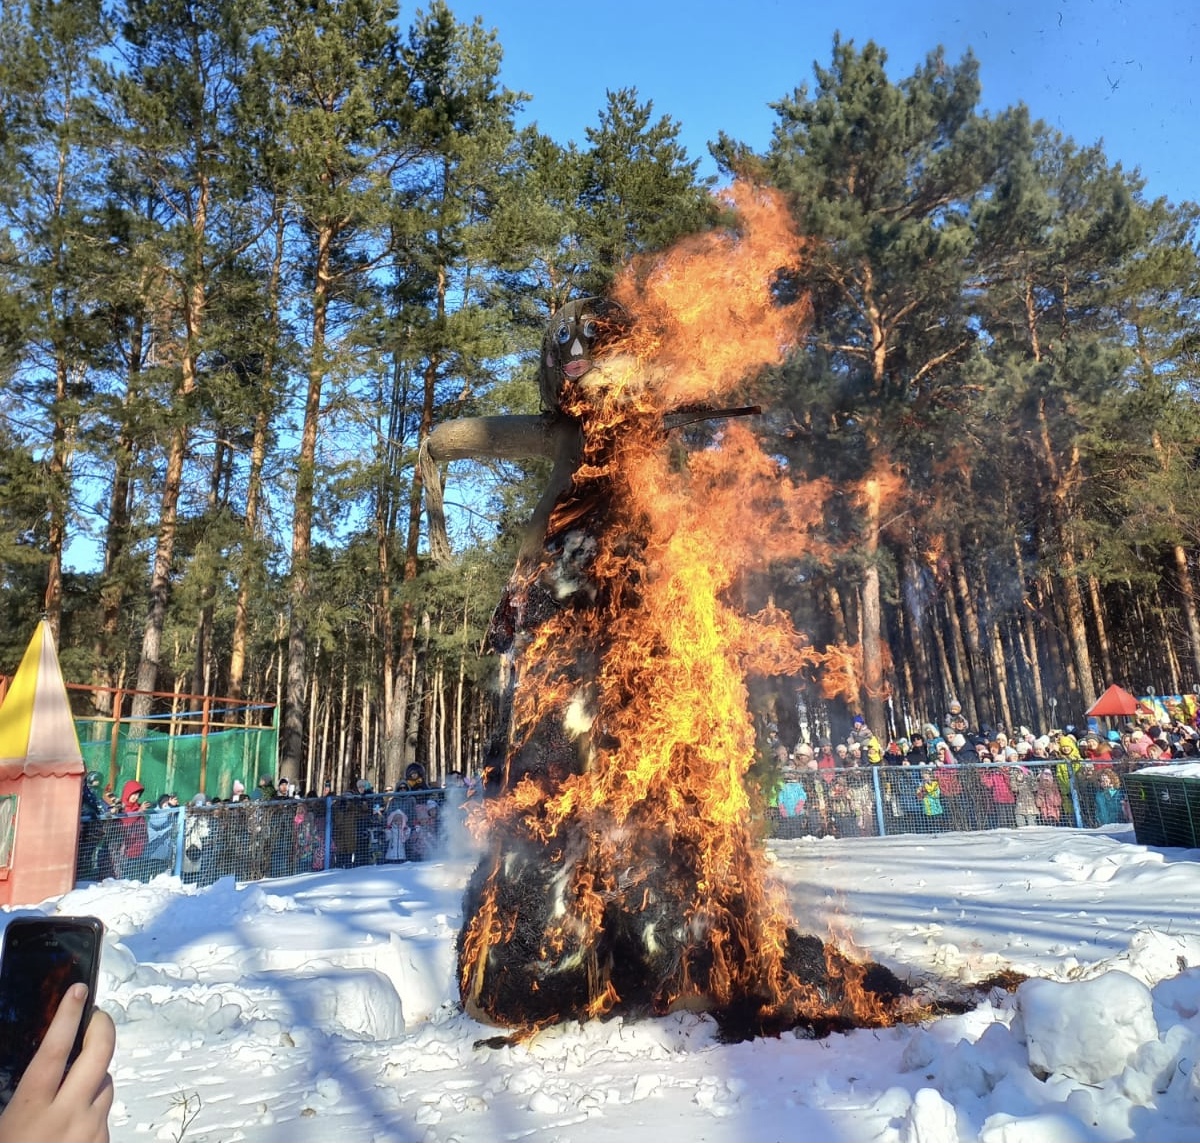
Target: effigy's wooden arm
{"x": 550, "y": 436}
{"x": 547, "y": 435}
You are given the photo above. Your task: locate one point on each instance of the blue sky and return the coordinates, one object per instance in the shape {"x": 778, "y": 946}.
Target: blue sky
{"x": 1125, "y": 73}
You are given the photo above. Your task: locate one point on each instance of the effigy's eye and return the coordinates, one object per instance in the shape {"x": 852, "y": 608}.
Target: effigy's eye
{"x": 563, "y": 334}
{"x": 589, "y": 329}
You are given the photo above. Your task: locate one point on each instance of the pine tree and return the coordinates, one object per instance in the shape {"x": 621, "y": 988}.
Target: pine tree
{"x": 340, "y": 93}
{"x": 460, "y": 119}
{"x": 49, "y": 184}
{"x": 880, "y": 175}
{"x": 174, "y": 97}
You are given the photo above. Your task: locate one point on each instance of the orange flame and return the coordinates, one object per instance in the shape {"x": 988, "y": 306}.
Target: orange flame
{"x": 654, "y": 669}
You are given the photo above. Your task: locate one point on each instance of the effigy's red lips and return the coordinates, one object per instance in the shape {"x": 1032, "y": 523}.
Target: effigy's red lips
{"x": 577, "y": 368}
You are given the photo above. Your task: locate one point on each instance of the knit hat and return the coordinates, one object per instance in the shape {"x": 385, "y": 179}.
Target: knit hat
{"x": 238, "y": 787}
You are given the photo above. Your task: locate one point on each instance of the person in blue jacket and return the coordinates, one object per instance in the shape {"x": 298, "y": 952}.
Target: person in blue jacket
{"x": 793, "y": 804}
{"x": 1110, "y": 800}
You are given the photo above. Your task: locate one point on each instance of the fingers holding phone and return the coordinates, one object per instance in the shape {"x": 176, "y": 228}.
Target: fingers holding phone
{"x": 73, "y": 1108}
{"x": 48, "y": 1068}
{"x": 55, "y": 1046}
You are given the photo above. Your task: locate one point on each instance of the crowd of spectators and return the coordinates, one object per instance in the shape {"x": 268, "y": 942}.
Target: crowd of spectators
{"x": 274, "y": 831}
{"x": 953, "y": 777}
{"x": 938, "y": 777}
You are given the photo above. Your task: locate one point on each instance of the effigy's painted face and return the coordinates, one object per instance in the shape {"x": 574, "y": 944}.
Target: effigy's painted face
{"x": 572, "y": 338}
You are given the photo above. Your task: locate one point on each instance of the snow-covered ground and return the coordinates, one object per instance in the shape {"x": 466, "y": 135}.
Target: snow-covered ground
{"x": 323, "y": 1008}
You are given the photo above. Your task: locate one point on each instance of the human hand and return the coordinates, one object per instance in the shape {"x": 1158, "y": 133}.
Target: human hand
{"x": 47, "y": 1106}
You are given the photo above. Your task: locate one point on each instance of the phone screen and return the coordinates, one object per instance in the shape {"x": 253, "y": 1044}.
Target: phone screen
{"x": 42, "y": 958}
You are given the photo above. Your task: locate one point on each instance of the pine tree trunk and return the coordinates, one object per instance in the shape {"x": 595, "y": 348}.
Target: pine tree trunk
{"x": 913, "y": 608}
{"x": 1096, "y": 598}
{"x": 292, "y": 744}
{"x": 248, "y": 565}
{"x": 116, "y": 541}
{"x": 326, "y": 714}
{"x": 872, "y": 612}
{"x": 58, "y": 469}
{"x": 939, "y": 641}
{"x": 164, "y": 555}
{"x": 369, "y": 729}
{"x": 385, "y": 538}
{"x": 1003, "y": 706}
{"x": 1187, "y": 600}
{"x": 1059, "y": 493}
{"x": 958, "y": 650}
{"x": 1061, "y": 667}
{"x": 1172, "y": 658}
{"x": 837, "y": 616}
{"x": 975, "y": 701}
{"x": 204, "y": 621}
{"x": 459, "y": 732}
{"x": 344, "y": 722}
{"x": 397, "y": 753}
{"x": 314, "y": 708}
{"x": 1028, "y": 634}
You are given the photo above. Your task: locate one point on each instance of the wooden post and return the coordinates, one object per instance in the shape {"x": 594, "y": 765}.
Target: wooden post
{"x": 115, "y": 738}
{"x": 204, "y": 723}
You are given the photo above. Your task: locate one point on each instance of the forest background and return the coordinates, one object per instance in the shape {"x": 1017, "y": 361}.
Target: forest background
{"x": 251, "y": 253}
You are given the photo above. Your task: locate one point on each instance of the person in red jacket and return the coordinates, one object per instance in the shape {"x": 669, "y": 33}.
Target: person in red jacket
{"x": 132, "y": 824}
{"x": 1001, "y": 813}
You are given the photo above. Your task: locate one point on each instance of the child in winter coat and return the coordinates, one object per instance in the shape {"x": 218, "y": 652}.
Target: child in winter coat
{"x": 1024, "y": 787}
{"x": 195, "y": 838}
{"x": 995, "y": 778}
{"x": 133, "y": 829}
{"x": 931, "y": 801}
{"x": 793, "y": 805}
{"x": 161, "y": 824}
{"x": 397, "y": 835}
{"x": 1049, "y": 797}
{"x": 1110, "y": 800}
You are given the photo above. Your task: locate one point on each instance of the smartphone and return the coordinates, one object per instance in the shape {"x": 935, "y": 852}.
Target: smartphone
{"x": 41, "y": 959}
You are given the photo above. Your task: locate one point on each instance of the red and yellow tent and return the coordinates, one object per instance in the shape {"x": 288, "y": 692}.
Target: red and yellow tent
{"x": 41, "y": 779}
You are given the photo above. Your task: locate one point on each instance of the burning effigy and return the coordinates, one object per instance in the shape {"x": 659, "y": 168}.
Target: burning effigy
{"x": 623, "y": 870}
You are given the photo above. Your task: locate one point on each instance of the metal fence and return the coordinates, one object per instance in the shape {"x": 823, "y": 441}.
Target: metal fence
{"x": 876, "y": 801}
{"x": 278, "y": 837}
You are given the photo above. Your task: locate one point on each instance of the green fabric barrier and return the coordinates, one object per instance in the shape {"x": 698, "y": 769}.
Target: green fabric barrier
{"x": 172, "y": 763}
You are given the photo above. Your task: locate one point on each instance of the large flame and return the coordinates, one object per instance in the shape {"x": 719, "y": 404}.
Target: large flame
{"x": 636, "y": 688}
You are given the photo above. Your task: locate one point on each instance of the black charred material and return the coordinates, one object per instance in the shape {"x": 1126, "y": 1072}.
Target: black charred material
{"x": 643, "y": 952}
{"x": 823, "y": 969}
{"x": 646, "y": 947}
